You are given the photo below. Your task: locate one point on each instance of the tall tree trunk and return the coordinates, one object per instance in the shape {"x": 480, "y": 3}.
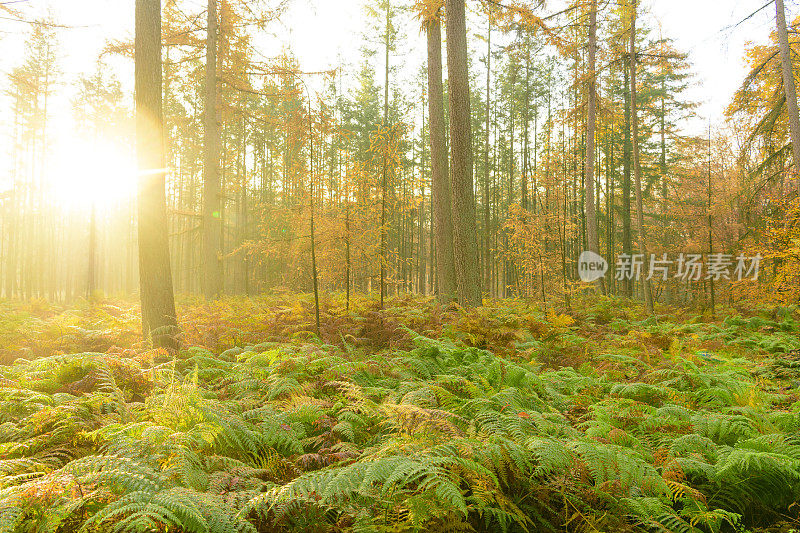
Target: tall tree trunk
{"x": 315, "y": 277}
{"x": 14, "y": 227}
{"x": 562, "y": 230}
{"x": 610, "y": 220}
{"x": 663, "y": 157}
{"x": 423, "y": 275}
{"x": 663, "y": 169}
{"x": 384, "y": 180}
{"x": 525, "y": 132}
{"x": 91, "y": 285}
{"x": 241, "y": 214}
{"x": 487, "y": 249}
{"x": 346, "y": 178}
{"x": 627, "y": 238}
{"x": 710, "y": 223}
{"x": 592, "y": 237}
{"x": 347, "y": 257}
{"x": 442, "y": 211}
{"x": 508, "y": 264}
{"x": 212, "y": 215}
{"x": 465, "y": 235}
{"x": 789, "y": 86}
{"x": 637, "y": 170}
{"x": 155, "y": 275}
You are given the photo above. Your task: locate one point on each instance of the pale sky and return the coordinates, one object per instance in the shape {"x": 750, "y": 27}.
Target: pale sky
{"x": 323, "y": 32}
{"x": 702, "y": 28}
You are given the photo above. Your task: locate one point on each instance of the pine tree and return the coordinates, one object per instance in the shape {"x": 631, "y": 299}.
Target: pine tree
{"x": 592, "y": 237}
{"x": 465, "y": 235}
{"x": 637, "y": 170}
{"x": 789, "y": 89}
{"x": 442, "y": 206}
{"x": 212, "y": 214}
{"x": 158, "y": 306}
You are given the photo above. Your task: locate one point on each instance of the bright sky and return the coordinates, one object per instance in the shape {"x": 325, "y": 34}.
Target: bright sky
{"x": 323, "y": 32}
{"x": 703, "y": 29}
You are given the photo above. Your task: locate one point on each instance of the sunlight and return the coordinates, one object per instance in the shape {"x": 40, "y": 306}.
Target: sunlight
{"x": 84, "y": 172}
{"x": 395, "y": 265}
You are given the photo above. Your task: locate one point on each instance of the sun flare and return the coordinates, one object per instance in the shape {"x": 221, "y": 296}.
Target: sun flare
{"x": 83, "y": 173}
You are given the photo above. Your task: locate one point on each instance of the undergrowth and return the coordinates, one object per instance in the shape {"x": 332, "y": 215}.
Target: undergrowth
{"x": 507, "y": 418}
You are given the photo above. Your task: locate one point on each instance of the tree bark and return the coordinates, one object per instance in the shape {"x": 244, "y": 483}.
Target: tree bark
{"x": 315, "y": 277}
{"x": 710, "y": 222}
{"x": 91, "y": 286}
{"x": 423, "y": 275}
{"x": 592, "y": 237}
{"x": 789, "y": 86}
{"x": 637, "y": 171}
{"x": 212, "y": 215}
{"x": 442, "y": 212}
{"x": 155, "y": 275}
{"x": 525, "y": 132}
{"x": 384, "y": 179}
{"x": 487, "y": 250}
{"x": 627, "y": 238}
{"x": 465, "y": 235}
{"x": 508, "y": 264}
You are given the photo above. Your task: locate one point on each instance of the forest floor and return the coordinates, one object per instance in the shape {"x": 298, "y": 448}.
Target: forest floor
{"x": 414, "y": 417}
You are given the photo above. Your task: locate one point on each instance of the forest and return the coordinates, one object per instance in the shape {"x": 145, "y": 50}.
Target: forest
{"x": 399, "y": 266}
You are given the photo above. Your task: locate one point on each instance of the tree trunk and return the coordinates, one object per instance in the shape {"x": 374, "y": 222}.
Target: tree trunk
{"x": 525, "y": 132}
{"x": 487, "y": 249}
{"x": 508, "y": 264}
{"x": 465, "y": 235}
{"x": 315, "y": 277}
{"x": 241, "y": 215}
{"x": 789, "y": 86}
{"x": 710, "y": 224}
{"x": 347, "y": 240}
{"x": 627, "y": 238}
{"x": 155, "y": 275}
{"x": 592, "y": 237}
{"x": 384, "y": 180}
{"x": 610, "y": 220}
{"x": 442, "y": 212}
{"x": 637, "y": 171}
{"x": 212, "y": 216}
{"x": 663, "y": 170}
{"x": 423, "y": 275}
{"x": 91, "y": 285}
